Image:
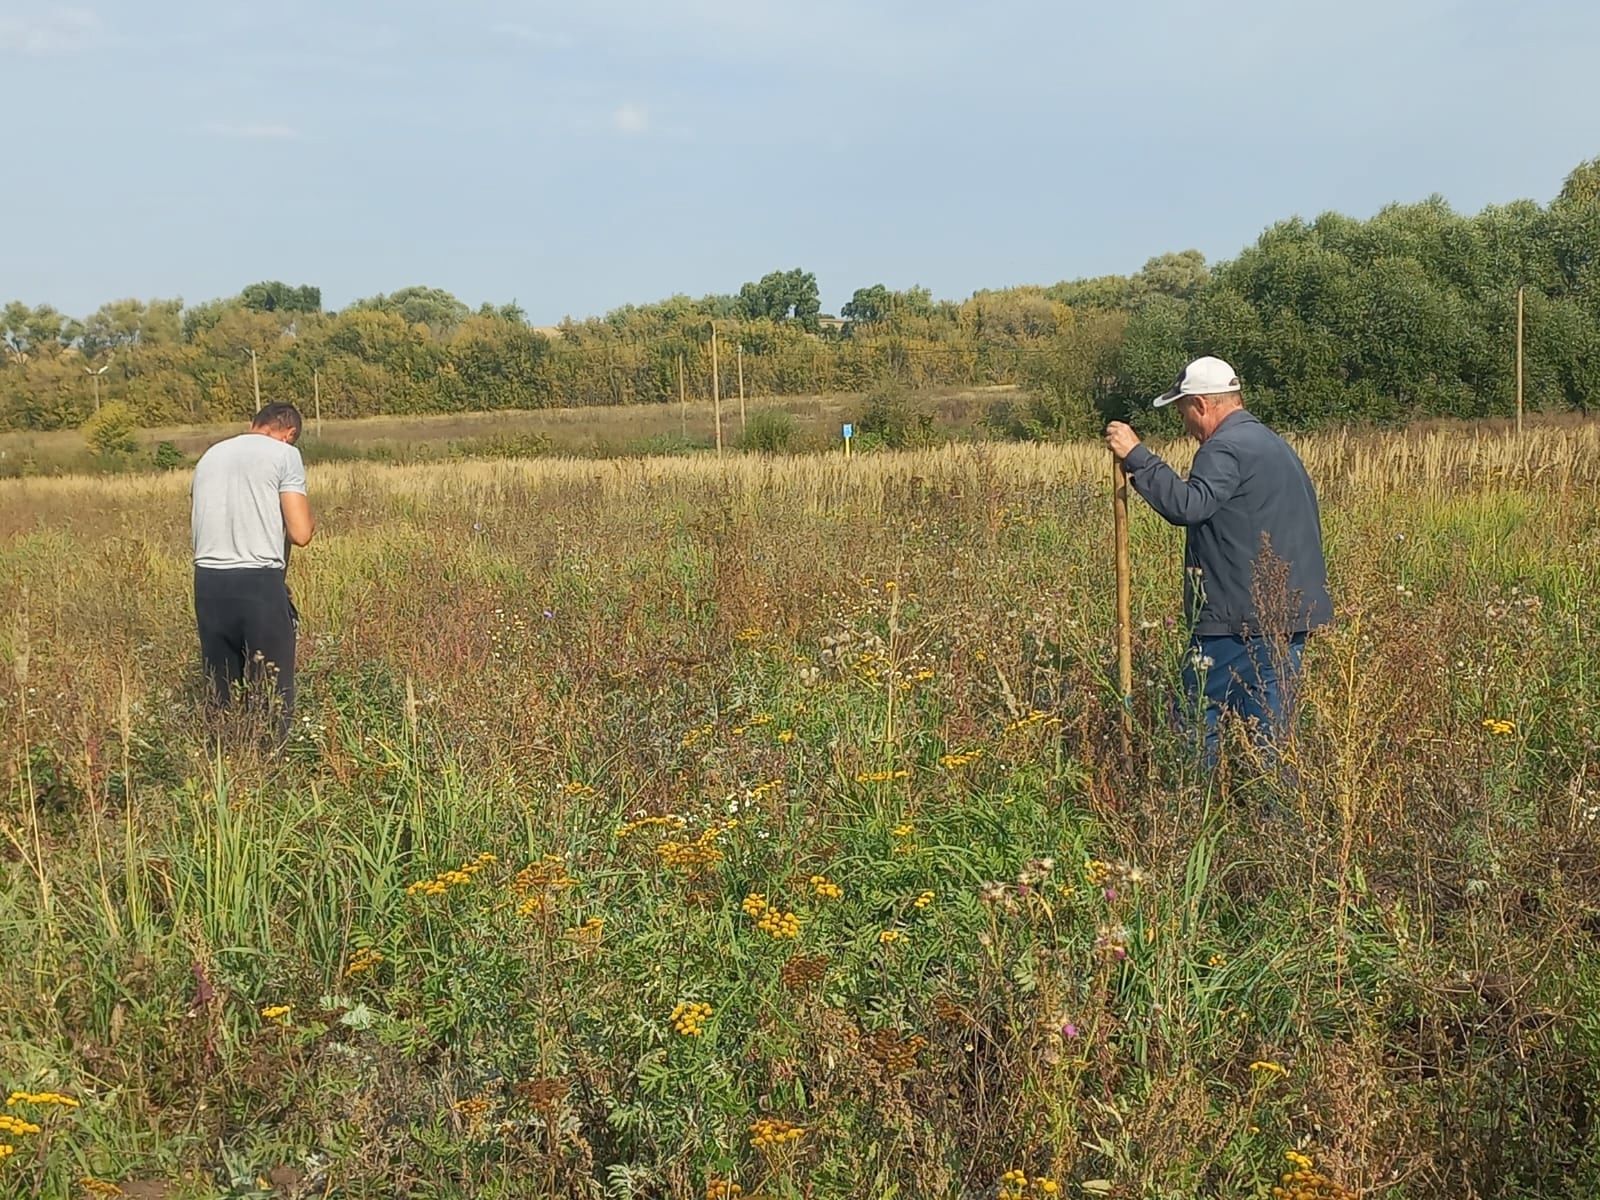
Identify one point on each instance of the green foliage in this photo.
(875, 304)
(770, 431)
(891, 417)
(782, 296)
(109, 432)
(274, 296)
(167, 457)
(1410, 313)
(430, 306)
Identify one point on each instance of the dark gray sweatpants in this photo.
(246, 626)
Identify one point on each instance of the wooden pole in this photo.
(1119, 521)
(316, 391)
(683, 403)
(1519, 362)
(716, 390)
(255, 374)
(741, 388)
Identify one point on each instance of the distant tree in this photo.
(41, 330)
(871, 305)
(1582, 186)
(124, 323)
(1179, 275)
(783, 296)
(273, 296)
(433, 307)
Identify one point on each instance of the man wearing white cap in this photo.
(1254, 579)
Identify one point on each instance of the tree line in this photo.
(1409, 313)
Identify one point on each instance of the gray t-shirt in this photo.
(237, 518)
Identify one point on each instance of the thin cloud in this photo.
(53, 31)
(631, 119)
(526, 34)
(258, 131)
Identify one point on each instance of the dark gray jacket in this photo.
(1247, 489)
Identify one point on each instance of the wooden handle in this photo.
(1119, 519)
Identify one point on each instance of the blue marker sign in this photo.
(849, 431)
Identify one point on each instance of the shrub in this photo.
(109, 432)
(168, 457)
(890, 415)
(771, 431)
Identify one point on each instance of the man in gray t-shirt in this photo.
(248, 507)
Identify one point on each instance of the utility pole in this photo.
(1519, 362)
(683, 403)
(316, 391)
(716, 389)
(95, 375)
(255, 374)
(741, 389)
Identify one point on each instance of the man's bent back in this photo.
(249, 504)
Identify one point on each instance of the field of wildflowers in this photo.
(681, 829)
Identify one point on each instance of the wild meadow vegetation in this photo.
(674, 828)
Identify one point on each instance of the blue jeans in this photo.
(1253, 677)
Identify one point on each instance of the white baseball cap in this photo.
(1206, 376)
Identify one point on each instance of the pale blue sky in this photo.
(579, 156)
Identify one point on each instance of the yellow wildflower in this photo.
(16, 1126)
(99, 1187)
(888, 937)
(1298, 1159)
(629, 827)
(6, 1151)
(689, 1017)
(1499, 726)
(923, 900)
(786, 736)
(1267, 1068)
(881, 776)
(723, 1189)
(590, 931)
(902, 831)
(826, 888)
(951, 762)
(275, 1012)
(779, 925)
(768, 1132)
(364, 959)
(57, 1098)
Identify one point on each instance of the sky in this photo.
(579, 156)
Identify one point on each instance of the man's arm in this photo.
(1212, 480)
(298, 525)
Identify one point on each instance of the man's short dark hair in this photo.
(279, 416)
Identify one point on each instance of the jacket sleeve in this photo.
(1212, 481)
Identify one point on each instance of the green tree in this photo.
(1582, 186)
(274, 296)
(124, 323)
(783, 296)
(109, 432)
(434, 307)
